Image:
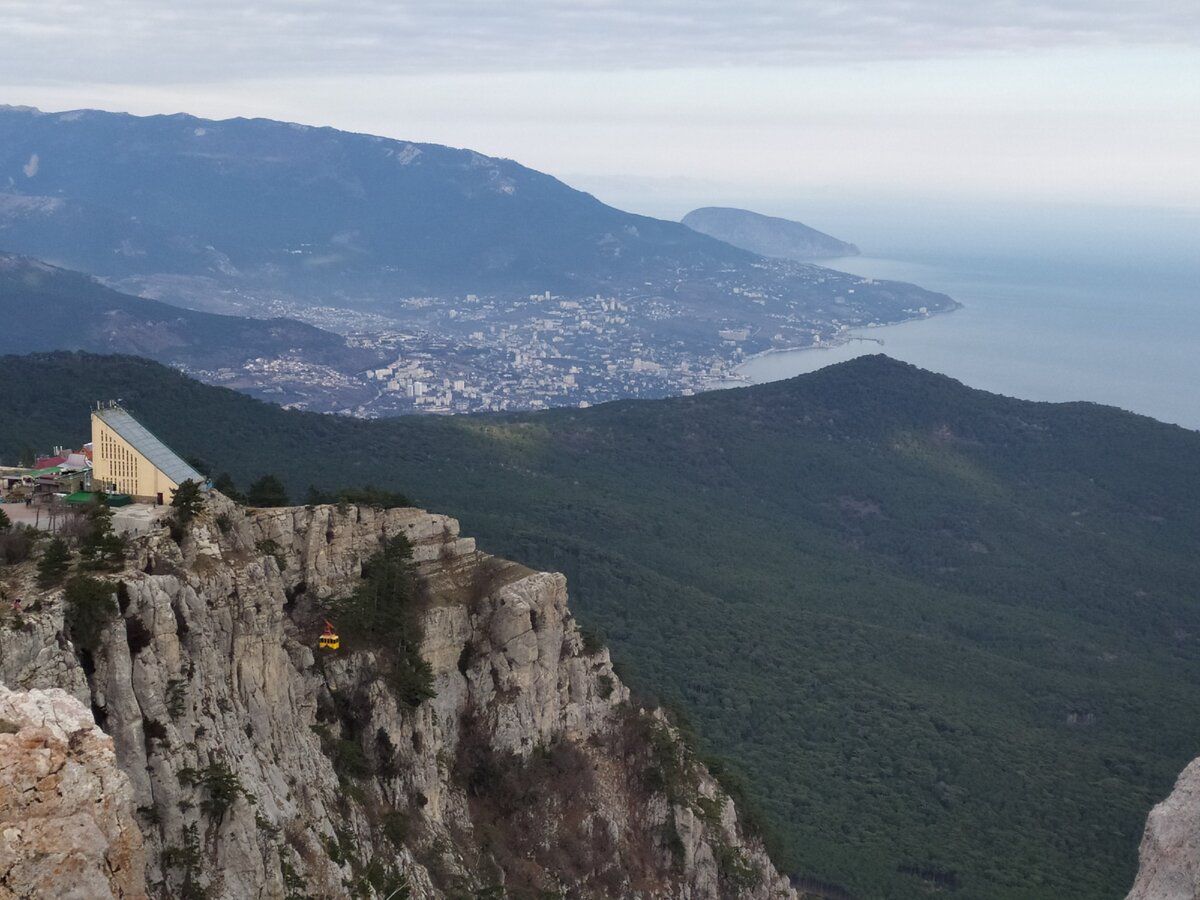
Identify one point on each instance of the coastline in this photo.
(738, 378)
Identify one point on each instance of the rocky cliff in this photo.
(261, 767)
(1169, 859)
(67, 826)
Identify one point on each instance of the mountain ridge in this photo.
(49, 308)
(240, 215)
(185, 336)
(226, 173)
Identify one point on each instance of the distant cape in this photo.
(766, 235)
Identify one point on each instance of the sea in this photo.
(1101, 306)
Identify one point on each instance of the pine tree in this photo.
(188, 501)
(384, 611)
(54, 563)
(226, 485)
(267, 491)
(101, 545)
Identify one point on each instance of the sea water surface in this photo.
(1111, 323)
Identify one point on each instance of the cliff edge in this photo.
(1169, 858)
(67, 826)
(512, 762)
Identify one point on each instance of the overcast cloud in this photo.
(136, 41)
(658, 105)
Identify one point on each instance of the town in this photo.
(491, 353)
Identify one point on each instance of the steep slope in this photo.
(766, 235)
(261, 769)
(69, 826)
(1170, 853)
(48, 308)
(932, 626)
(276, 199)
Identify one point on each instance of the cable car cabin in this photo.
(328, 639)
(328, 642)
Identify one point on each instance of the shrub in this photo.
(396, 827)
(175, 698)
(412, 677)
(221, 786)
(733, 868)
(16, 544)
(225, 484)
(186, 858)
(293, 883)
(268, 547)
(382, 880)
(137, 635)
(346, 756)
(90, 607)
(385, 612)
(368, 495)
(604, 686)
(593, 639)
(267, 491)
(54, 563)
(187, 501)
(349, 761)
(101, 546)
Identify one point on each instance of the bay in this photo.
(1103, 328)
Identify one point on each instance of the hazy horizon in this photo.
(1046, 137)
(1056, 102)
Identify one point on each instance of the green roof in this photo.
(81, 497)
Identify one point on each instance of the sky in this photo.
(660, 105)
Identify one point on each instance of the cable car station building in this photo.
(128, 459)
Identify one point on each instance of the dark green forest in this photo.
(951, 640)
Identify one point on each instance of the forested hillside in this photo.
(951, 639)
(48, 308)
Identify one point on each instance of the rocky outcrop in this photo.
(1169, 858)
(262, 767)
(67, 826)
(37, 654)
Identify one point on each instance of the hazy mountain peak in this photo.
(766, 235)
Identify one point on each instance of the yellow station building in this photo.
(128, 459)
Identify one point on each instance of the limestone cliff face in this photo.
(1169, 859)
(263, 768)
(67, 826)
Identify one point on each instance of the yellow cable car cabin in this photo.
(328, 639)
